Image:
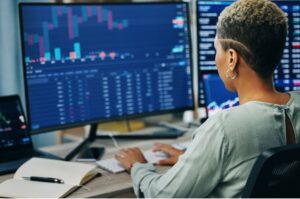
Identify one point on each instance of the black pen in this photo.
(44, 179)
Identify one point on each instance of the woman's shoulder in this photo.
(237, 112)
(295, 93)
(295, 97)
(238, 117)
(250, 114)
(219, 120)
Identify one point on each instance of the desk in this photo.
(108, 185)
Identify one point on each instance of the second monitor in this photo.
(287, 75)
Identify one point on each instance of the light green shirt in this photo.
(218, 161)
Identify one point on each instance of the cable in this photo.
(114, 140)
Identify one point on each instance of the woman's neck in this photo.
(257, 89)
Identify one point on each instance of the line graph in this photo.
(214, 107)
(4, 120)
(217, 97)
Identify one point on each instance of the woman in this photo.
(249, 45)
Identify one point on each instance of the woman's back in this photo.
(218, 161)
(251, 129)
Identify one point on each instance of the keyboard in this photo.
(112, 165)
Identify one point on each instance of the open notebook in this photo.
(73, 175)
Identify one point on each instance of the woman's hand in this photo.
(128, 157)
(172, 152)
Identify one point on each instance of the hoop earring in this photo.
(231, 78)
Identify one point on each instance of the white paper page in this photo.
(30, 189)
(70, 172)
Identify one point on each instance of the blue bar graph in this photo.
(54, 17)
(125, 23)
(36, 39)
(94, 9)
(57, 54)
(77, 50)
(47, 56)
(75, 25)
(25, 36)
(104, 15)
(64, 9)
(46, 36)
(84, 14)
(74, 22)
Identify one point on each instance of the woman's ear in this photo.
(232, 59)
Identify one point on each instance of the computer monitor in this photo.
(88, 63)
(287, 75)
(13, 128)
(216, 96)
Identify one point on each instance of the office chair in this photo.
(275, 174)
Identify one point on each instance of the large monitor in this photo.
(287, 75)
(86, 63)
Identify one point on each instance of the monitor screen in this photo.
(287, 75)
(86, 63)
(13, 128)
(216, 96)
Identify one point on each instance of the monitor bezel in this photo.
(100, 120)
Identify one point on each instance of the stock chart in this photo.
(13, 129)
(216, 95)
(287, 74)
(94, 62)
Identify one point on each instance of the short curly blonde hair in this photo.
(257, 29)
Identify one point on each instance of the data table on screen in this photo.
(102, 61)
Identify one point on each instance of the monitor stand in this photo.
(85, 144)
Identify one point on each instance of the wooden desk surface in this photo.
(108, 185)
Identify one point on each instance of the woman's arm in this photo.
(196, 174)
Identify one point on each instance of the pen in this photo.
(44, 179)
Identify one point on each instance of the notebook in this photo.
(73, 174)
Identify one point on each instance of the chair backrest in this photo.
(275, 174)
